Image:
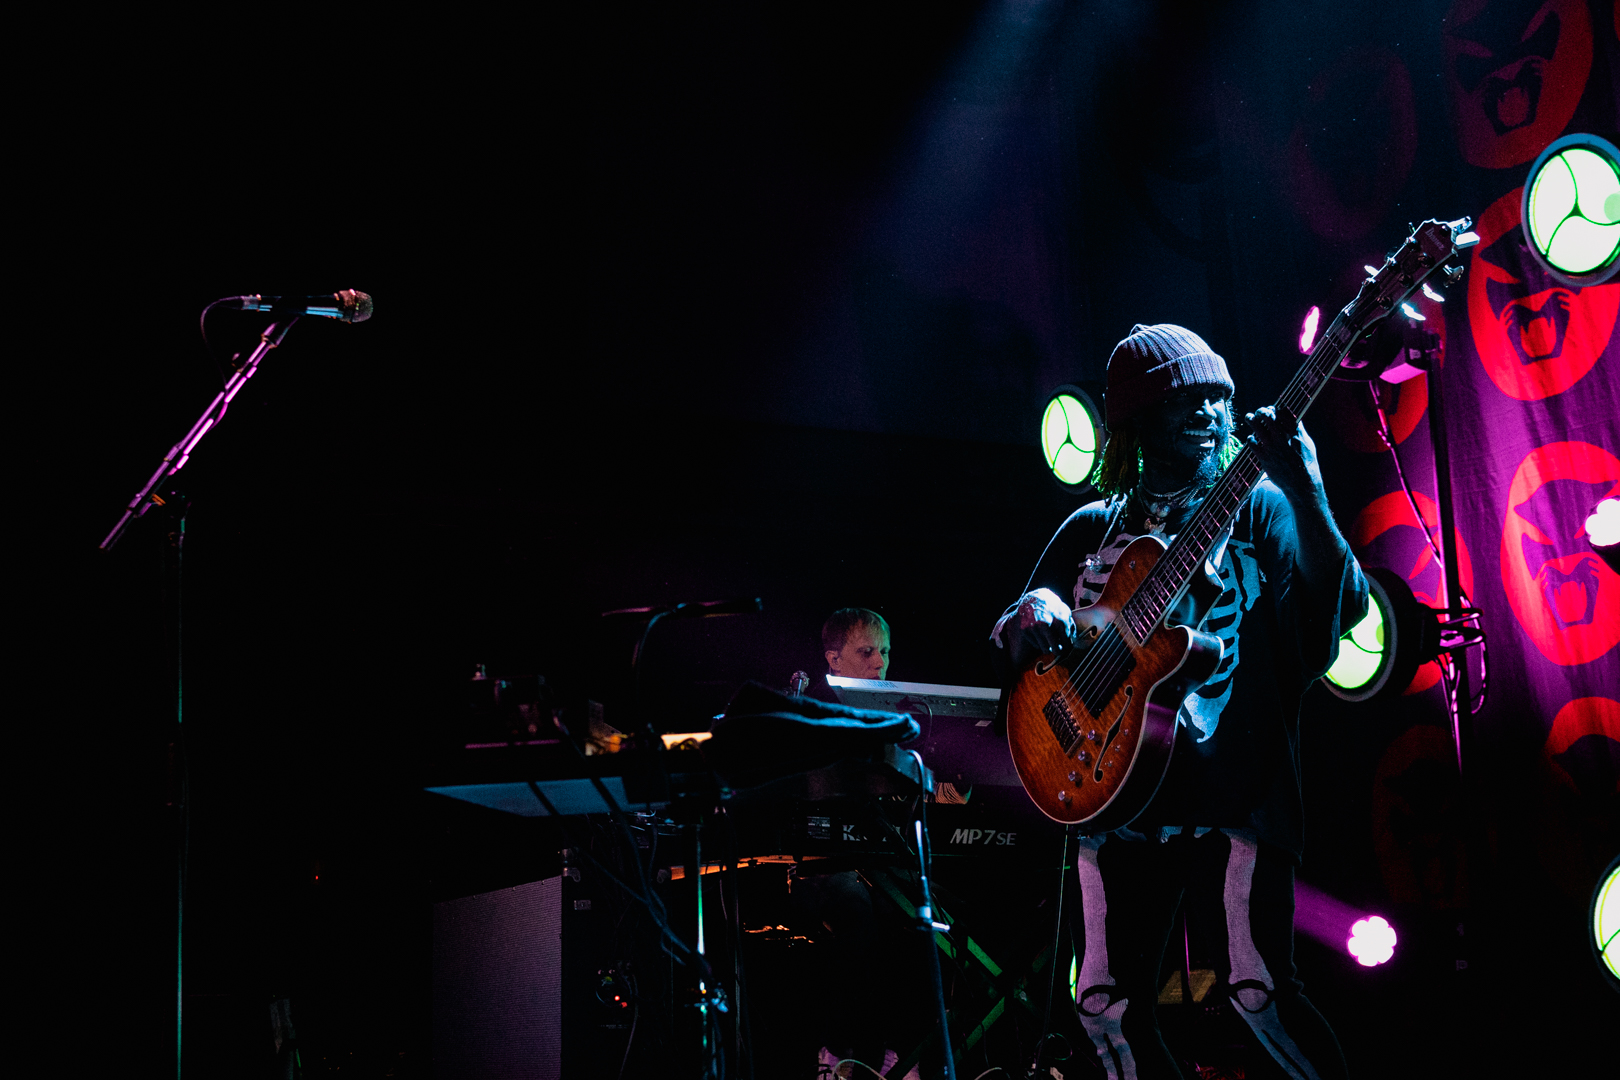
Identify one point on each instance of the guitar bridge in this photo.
(1061, 721)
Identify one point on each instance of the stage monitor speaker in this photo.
(497, 984)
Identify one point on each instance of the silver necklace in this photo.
(1158, 507)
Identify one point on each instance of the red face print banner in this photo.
(1532, 433)
(1564, 596)
(1535, 336)
(1515, 73)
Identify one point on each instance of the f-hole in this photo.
(1113, 732)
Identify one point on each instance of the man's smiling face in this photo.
(1184, 429)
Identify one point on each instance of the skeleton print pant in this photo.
(1130, 891)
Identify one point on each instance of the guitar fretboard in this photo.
(1159, 590)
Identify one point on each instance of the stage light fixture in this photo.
(1603, 531)
(1571, 209)
(1394, 350)
(1071, 436)
(1603, 920)
(1372, 941)
(1307, 330)
(1380, 654)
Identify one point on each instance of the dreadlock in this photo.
(1120, 466)
(1121, 462)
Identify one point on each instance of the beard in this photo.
(1198, 472)
(1209, 466)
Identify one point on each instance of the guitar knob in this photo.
(1084, 757)
(1063, 796)
(1094, 735)
(1074, 778)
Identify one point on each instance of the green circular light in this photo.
(1606, 921)
(1361, 651)
(1379, 654)
(1069, 437)
(1571, 209)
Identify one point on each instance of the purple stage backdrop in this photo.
(1533, 423)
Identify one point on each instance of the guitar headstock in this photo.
(1425, 251)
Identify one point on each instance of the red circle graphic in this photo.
(1516, 73)
(1535, 336)
(1576, 720)
(1565, 597)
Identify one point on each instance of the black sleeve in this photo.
(1059, 566)
(1313, 618)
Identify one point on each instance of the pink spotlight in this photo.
(1326, 918)
(1307, 329)
(1372, 941)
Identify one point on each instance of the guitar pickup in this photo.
(1061, 721)
(1099, 691)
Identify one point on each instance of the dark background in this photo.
(670, 306)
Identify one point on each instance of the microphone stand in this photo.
(929, 926)
(145, 499)
(180, 452)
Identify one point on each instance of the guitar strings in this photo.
(1101, 665)
(1104, 660)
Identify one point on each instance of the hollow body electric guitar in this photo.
(1091, 728)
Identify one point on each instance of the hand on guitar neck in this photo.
(1289, 456)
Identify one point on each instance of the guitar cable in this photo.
(1476, 703)
(1052, 977)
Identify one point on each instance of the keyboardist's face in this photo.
(865, 654)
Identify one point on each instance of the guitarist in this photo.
(1224, 830)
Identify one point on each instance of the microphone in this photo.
(349, 305)
(710, 609)
(697, 609)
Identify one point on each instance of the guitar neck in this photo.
(1169, 577)
(1425, 251)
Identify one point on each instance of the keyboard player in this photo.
(862, 948)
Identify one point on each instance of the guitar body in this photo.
(1091, 729)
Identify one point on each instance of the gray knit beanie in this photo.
(1154, 361)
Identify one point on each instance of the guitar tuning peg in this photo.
(1453, 274)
